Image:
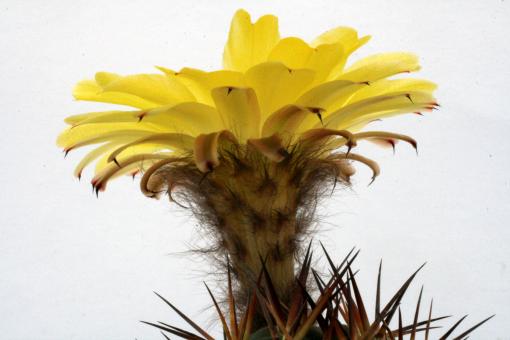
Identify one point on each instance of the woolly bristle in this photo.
(253, 207)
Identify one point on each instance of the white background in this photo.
(76, 267)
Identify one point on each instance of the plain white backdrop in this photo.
(76, 267)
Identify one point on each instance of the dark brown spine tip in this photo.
(229, 89)
(350, 145)
(66, 151)
(116, 162)
(79, 176)
(418, 113)
(319, 115)
(141, 116)
(392, 143)
(209, 166)
(289, 69)
(408, 95)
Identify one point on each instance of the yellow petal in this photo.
(346, 36)
(331, 94)
(200, 83)
(139, 90)
(239, 111)
(105, 78)
(192, 118)
(100, 180)
(367, 110)
(276, 85)
(327, 97)
(92, 134)
(104, 161)
(82, 117)
(91, 91)
(165, 141)
(389, 86)
(285, 121)
(345, 40)
(206, 149)
(380, 66)
(327, 61)
(323, 59)
(104, 117)
(292, 52)
(94, 154)
(157, 88)
(249, 44)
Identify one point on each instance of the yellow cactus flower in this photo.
(250, 146)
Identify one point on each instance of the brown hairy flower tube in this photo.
(253, 208)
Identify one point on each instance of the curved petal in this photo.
(321, 134)
(285, 121)
(206, 149)
(389, 138)
(91, 134)
(200, 83)
(388, 86)
(271, 147)
(346, 36)
(327, 97)
(249, 44)
(192, 118)
(100, 180)
(157, 88)
(327, 61)
(276, 85)
(104, 117)
(367, 110)
(239, 110)
(75, 120)
(94, 154)
(380, 66)
(89, 90)
(147, 148)
(346, 39)
(139, 90)
(167, 141)
(146, 178)
(331, 94)
(323, 59)
(376, 170)
(292, 52)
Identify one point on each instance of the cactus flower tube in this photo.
(252, 147)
